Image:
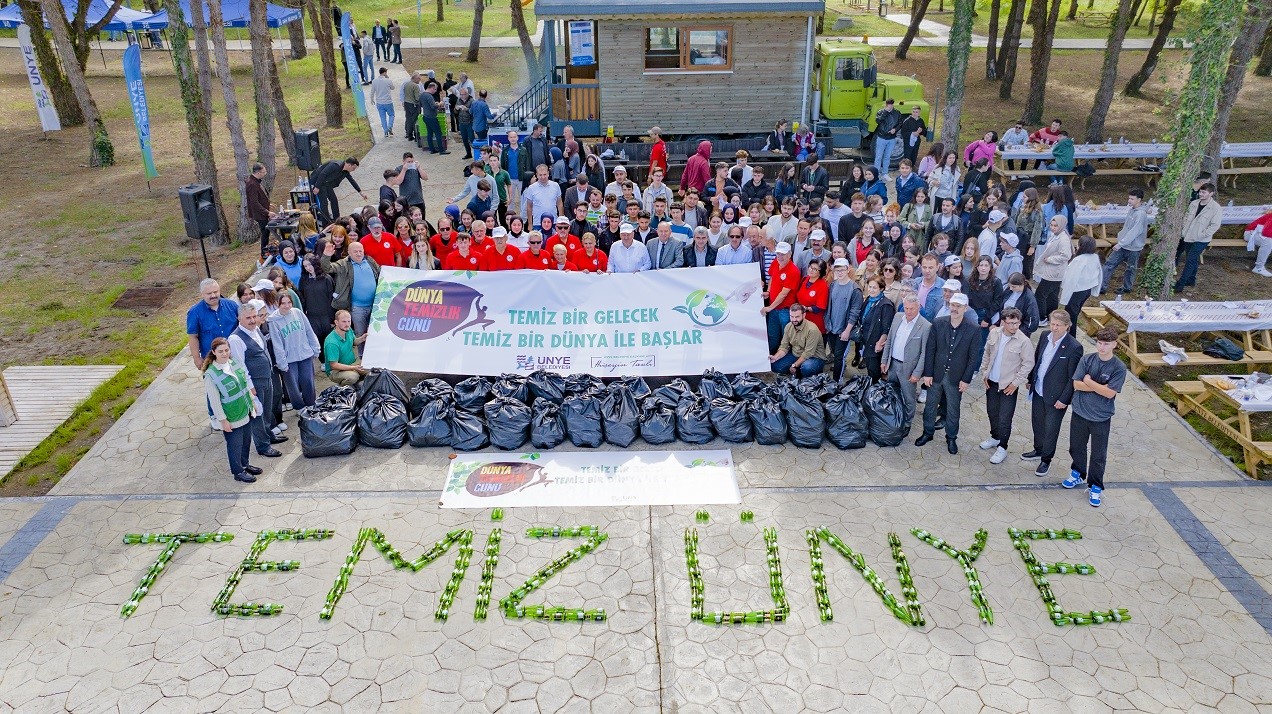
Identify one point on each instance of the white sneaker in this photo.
(922, 396)
(282, 426)
(276, 431)
(1263, 271)
(989, 443)
(999, 456)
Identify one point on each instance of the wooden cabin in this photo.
(708, 68)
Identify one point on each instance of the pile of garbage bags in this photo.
(545, 410)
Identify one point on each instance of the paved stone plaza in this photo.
(1181, 542)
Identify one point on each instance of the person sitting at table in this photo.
(1062, 155)
(1015, 137)
(1047, 136)
(1259, 237)
(982, 148)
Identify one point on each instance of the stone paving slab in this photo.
(1190, 646)
(163, 445)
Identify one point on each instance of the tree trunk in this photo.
(917, 11)
(320, 18)
(523, 34)
(296, 38)
(440, 15)
(1136, 83)
(197, 122)
(233, 120)
(1073, 10)
(202, 57)
(1194, 118)
(1010, 49)
(991, 45)
(1254, 25)
(82, 33)
(100, 151)
(281, 113)
(1108, 74)
(474, 40)
(1264, 68)
(1039, 59)
(68, 110)
(262, 57)
(960, 46)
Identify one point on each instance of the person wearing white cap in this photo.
(783, 284)
(816, 251)
(948, 367)
(501, 256)
(988, 238)
(1012, 261)
(950, 288)
(843, 312)
(627, 255)
(615, 187)
(248, 347)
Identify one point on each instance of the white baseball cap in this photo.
(782, 248)
(1010, 239)
(842, 263)
(958, 299)
(817, 235)
(952, 285)
(626, 228)
(950, 260)
(499, 232)
(996, 216)
(744, 221)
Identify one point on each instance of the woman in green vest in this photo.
(233, 399)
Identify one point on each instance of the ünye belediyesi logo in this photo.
(433, 308)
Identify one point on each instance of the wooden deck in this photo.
(44, 398)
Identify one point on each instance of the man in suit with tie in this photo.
(666, 252)
(947, 370)
(905, 351)
(1051, 386)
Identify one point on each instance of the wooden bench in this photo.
(1228, 176)
(1092, 319)
(1016, 174)
(1091, 18)
(1252, 360)
(1186, 388)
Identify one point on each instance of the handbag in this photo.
(1224, 348)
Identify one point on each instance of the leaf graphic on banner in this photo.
(532, 456)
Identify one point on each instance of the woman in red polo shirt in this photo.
(814, 293)
(463, 257)
(590, 260)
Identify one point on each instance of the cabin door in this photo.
(576, 91)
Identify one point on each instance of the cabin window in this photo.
(689, 48)
(849, 68)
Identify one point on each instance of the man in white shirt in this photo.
(782, 227)
(988, 238)
(831, 211)
(628, 256)
(541, 197)
(907, 347)
(736, 251)
(382, 95)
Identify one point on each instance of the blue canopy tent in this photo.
(235, 12)
(124, 19)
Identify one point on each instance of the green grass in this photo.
(1073, 29)
(863, 23)
(457, 17)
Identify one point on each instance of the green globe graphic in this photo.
(705, 308)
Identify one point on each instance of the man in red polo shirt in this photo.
(384, 247)
(500, 255)
(463, 257)
(564, 237)
(783, 284)
(443, 242)
(535, 257)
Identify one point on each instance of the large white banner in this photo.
(591, 478)
(657, 323)
(49, 120)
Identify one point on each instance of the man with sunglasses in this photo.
(736, 251)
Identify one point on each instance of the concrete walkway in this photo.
(942, 38)
(282, 43)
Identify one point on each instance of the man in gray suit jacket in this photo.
(665, 252)
(905, 348)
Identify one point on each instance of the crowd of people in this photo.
(925, 279)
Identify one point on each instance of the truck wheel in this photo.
(898, 152)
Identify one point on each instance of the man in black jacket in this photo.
(913, 130)
(1051, 384)
(324, 182)
(699, 253)
(887, 126)
(534, 153)
(947, 370)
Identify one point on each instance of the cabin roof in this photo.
(587, 9)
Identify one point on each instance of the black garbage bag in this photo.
(583, 384)
(382, 381)
(382, 422)
(781, 387)
(546, 385)
(468, 432)
(747, 386)
(821, 386)
(767, 420)
(620, 418)
(472, 394)
(512, 386)
(856, 387)
(886, 414)
(547, 426)
(693, 420)
(431, 425)
(846, 425)
(328, 432)
(672, 392)
(426, 391)
(730, 421)
(636, 385)
(508, 421)
(714, 384)
(337, 397)
(657, 422)
(804, 418)
(582, 413)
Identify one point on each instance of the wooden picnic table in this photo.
(1097, 217)
(1251, 321)
(1133, 159)
(1240, 398)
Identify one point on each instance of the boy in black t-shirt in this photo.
(1096, 384)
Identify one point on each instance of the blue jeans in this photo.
(778, 319)
(299, 381)
(433, 129)
(1192, 261)
(386, 116)
(1116, 258)
(368, 66)
(820, 148)
(883, 154)
(237, 448)
(808, 368)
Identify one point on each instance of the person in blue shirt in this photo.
(209, 319)
(482, 116)
(873, 186)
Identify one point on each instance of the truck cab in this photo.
(849, 91)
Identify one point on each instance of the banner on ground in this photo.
(591, 478)
(49, 120)
(655, 323)
(140, 110)
(351, 65)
